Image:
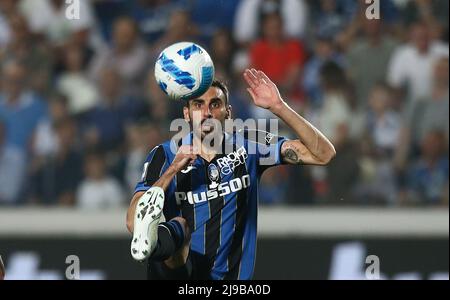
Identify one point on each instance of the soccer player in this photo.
(208, 199)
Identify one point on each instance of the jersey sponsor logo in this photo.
(228, 163)
(221, 190)
(188, 169)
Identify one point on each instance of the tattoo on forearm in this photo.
(290, 155)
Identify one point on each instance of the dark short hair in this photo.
(217, 84)
(221, 85)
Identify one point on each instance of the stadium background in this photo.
(79, 111)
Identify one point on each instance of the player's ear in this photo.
(186, 113)
(229, 110)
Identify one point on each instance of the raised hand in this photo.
(263, 91)
(186, 155)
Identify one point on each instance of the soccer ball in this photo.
(184, 71)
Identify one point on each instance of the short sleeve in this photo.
(270, 153)
(152, 169)
(267, 148)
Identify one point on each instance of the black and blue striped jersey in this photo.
(218, 199)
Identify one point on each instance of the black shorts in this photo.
(197, 267)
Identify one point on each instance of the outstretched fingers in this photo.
(251, 79)
(260, 76)
(256, 75)
(264, 77)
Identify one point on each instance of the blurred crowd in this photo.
(80, 109)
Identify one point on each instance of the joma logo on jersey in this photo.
(228, 163)
(223, 189)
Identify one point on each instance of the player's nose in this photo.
(206, 112)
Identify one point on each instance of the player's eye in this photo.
(215, 105)
(198, 105)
